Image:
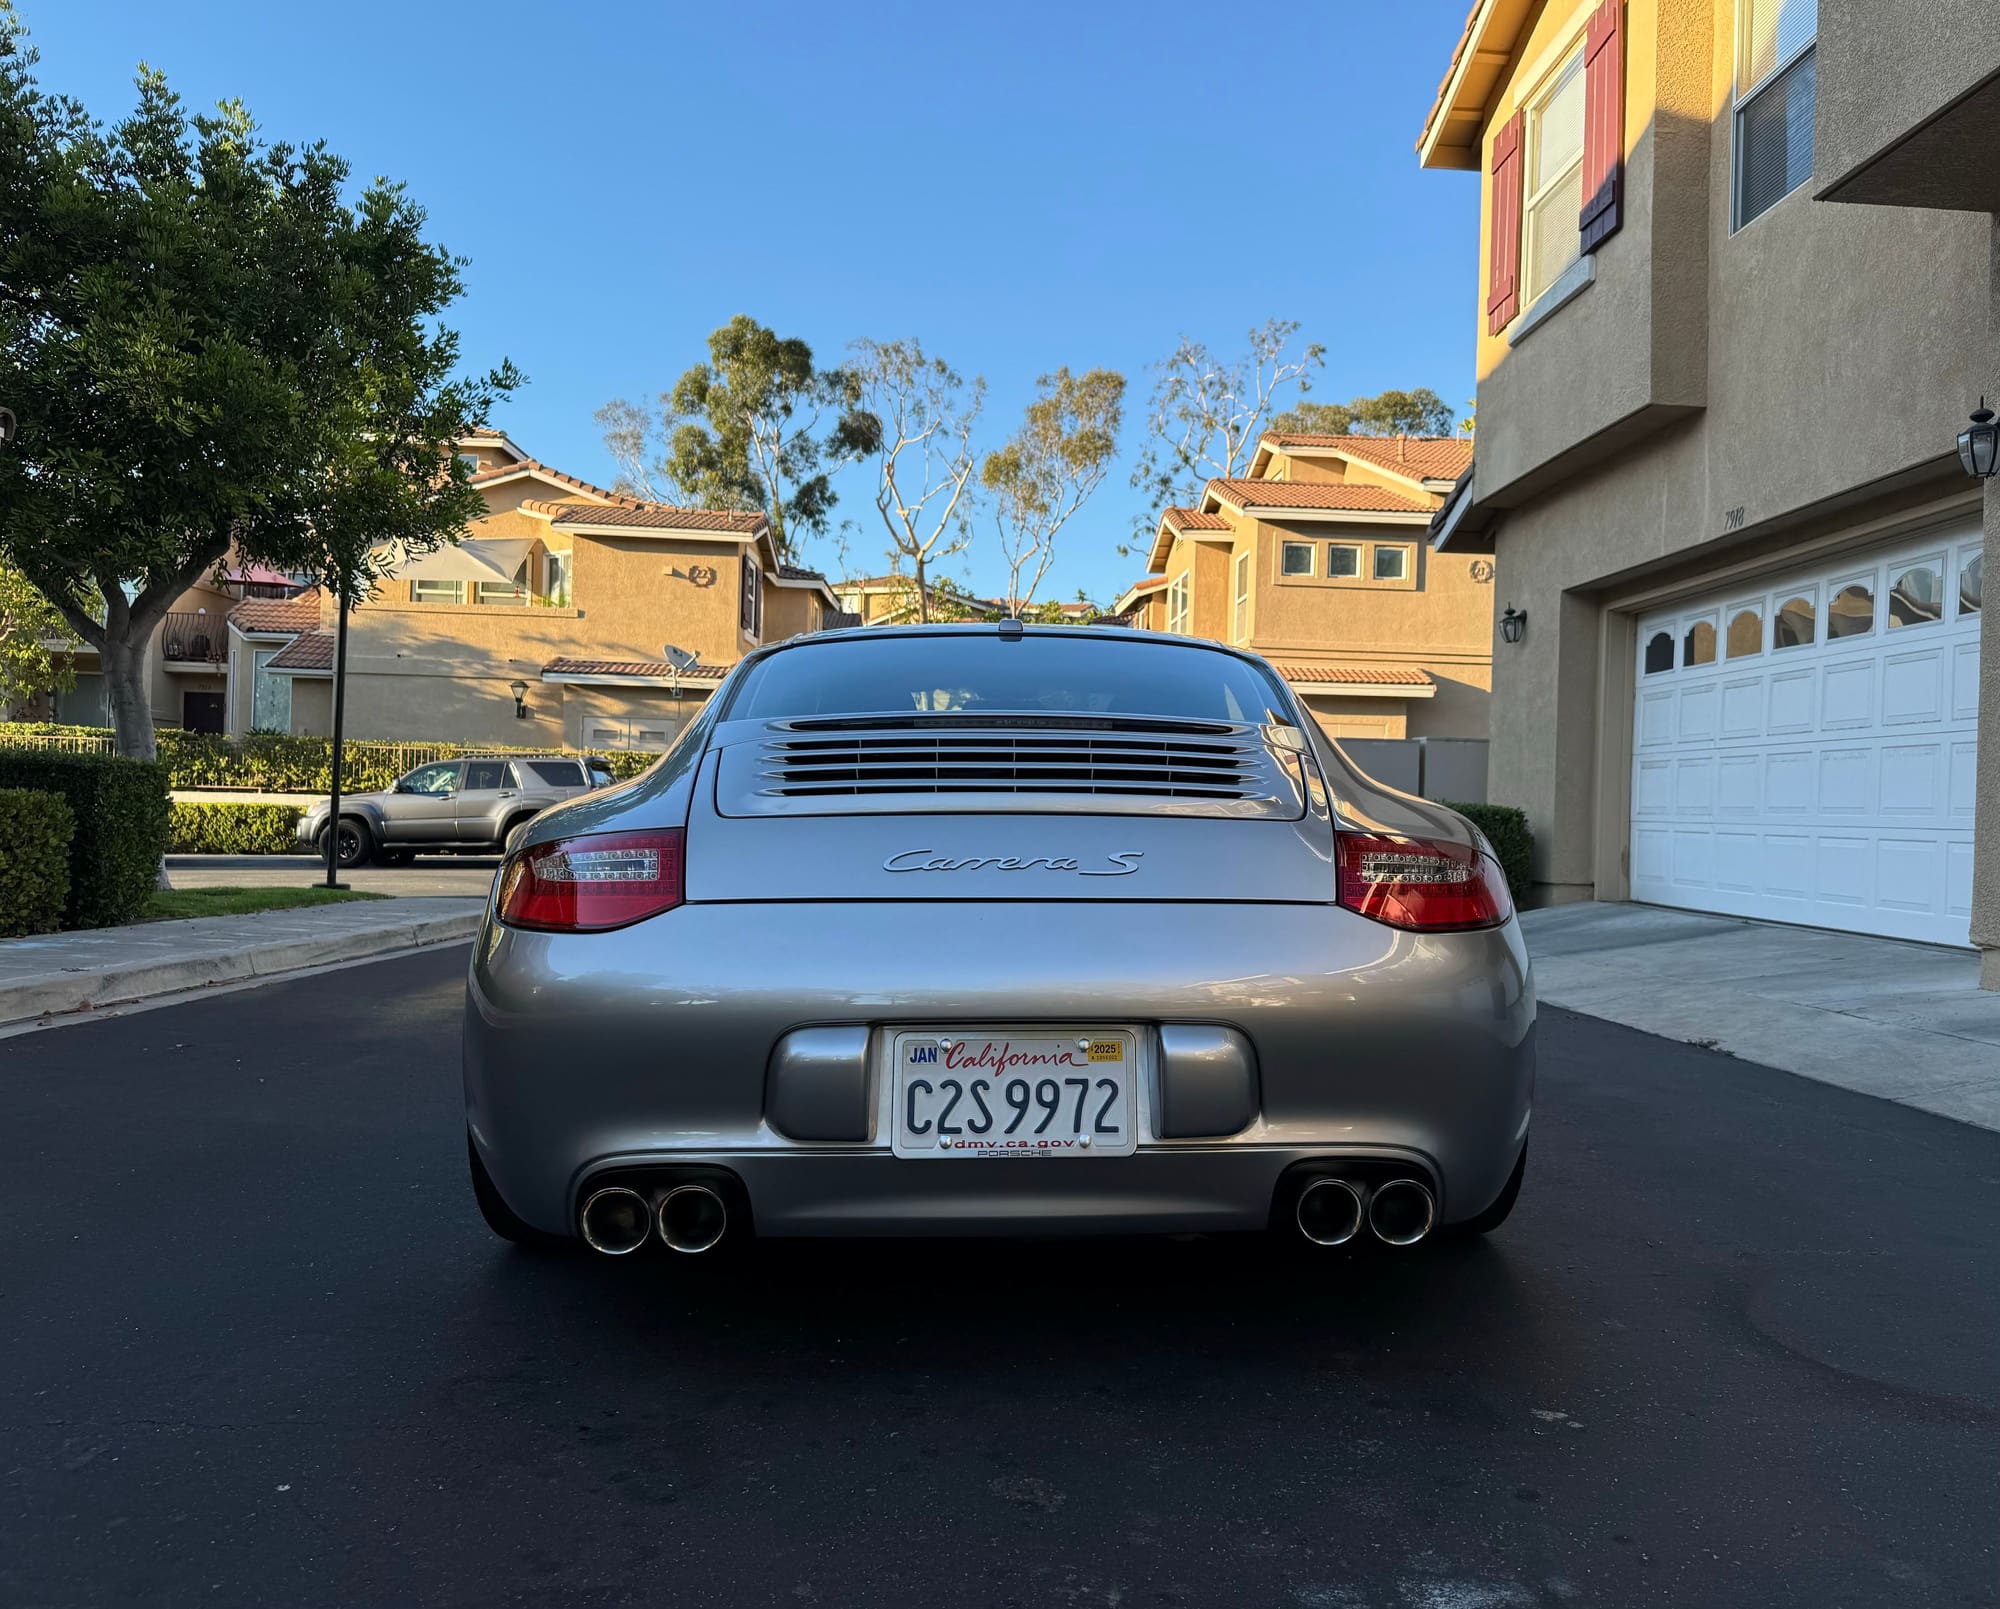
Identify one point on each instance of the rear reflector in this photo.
(589, 884)
(1420, 883)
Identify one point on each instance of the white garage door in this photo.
(1803, 749)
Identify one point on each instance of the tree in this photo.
(1205, 414)
(204, 343)
(744, 431)
(1049, 467)
(28, 623)
(921, 413)
(1421, 412)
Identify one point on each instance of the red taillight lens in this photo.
(1420, 883)
(585, 885)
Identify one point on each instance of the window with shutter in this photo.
(1553, 177)
(1776, 74)
(1503, 276)
(1603, 125)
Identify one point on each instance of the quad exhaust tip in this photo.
(616, 1221)
(1329, 1211)
(692, 1218)
(1402, 1212)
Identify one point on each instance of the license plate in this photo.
(1014, 1095)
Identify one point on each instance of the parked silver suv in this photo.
(470, 804)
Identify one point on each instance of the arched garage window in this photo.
(1659, 652)
(1796, 622)
(1852, 611)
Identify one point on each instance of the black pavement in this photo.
(1740, 1345)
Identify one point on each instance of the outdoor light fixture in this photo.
(1979, 443)
(1514, 623)
(520, 692)
(9, 427)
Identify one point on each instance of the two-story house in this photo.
(1317, 558)
(1741, 569)
(548, 624)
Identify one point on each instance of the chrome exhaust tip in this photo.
(1402, 1212)
(616, 1221)
(692, 1218)
(1329, 1211)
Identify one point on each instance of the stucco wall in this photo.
(1886, 67)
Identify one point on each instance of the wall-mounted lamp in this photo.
(9, 427)
(1979, 443)
(520, 692)
(1514, 624)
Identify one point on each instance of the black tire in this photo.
(1494, 1216)
(508, 831)
(357, 842)
(498, 1215)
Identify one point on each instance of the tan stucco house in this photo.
(1317, 559)
(548, 624)
(1735, 302)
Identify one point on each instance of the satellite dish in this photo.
(681, 659)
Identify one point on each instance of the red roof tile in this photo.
(1424, 457)
(630, 667)
(277, 614)
(1194, 519)
(1355, 675)
(493, 472)
(1316, 494)
(310, 650)
(658, 517)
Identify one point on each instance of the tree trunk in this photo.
(124, 663)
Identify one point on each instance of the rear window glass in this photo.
(973, 674)
(558, 773)
(481, 775)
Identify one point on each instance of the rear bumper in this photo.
(652, 1045)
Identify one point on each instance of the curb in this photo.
(56, 994)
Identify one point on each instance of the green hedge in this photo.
(1506, 828)
(233, 829)
(273, 763)
(121, 827)
(35, 832)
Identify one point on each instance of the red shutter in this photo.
(1603, 123)
(1503, 273)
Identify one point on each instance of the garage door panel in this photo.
(1806, 777)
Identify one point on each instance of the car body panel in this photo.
(463, 818)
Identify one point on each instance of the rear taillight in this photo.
(1420, 883)
(585, 885)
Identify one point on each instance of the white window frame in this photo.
(1359, 552)
(455, 593)
(1375, 562)
(1745, 94)
(516, 594)
(1570, 67)
(1240, 619)
(556, 570)
(1178, 607)
(1312, 563)
(471, 462)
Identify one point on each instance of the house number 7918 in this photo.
(1732, 520)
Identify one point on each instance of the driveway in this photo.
(429, 874)
(1735, 1347)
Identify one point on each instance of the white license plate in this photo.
(1014, 1095)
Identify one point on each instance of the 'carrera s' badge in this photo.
(1121, 864)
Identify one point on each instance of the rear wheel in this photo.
(499, 1216)
(1494, 1216)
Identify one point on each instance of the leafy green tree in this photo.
(1206, 413)
(210, 350)
(920, 414)
(1049, 468)
(1421, 412)
(28, 624)
(756, 427)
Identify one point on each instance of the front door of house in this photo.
(202, 712)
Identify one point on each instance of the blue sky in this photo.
(1019, 186)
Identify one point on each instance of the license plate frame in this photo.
(991, 1060)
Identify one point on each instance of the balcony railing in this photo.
(194, 639)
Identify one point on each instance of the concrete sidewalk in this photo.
(58, 973)
(1907, 1022)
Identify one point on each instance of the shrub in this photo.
(35, 832)
(233, 829)
(121, 827)
(1506, 829)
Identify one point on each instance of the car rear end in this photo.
(978, 930)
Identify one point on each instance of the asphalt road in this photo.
(428, 874)
(1737, 1347)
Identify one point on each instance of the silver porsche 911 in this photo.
(976, 930)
